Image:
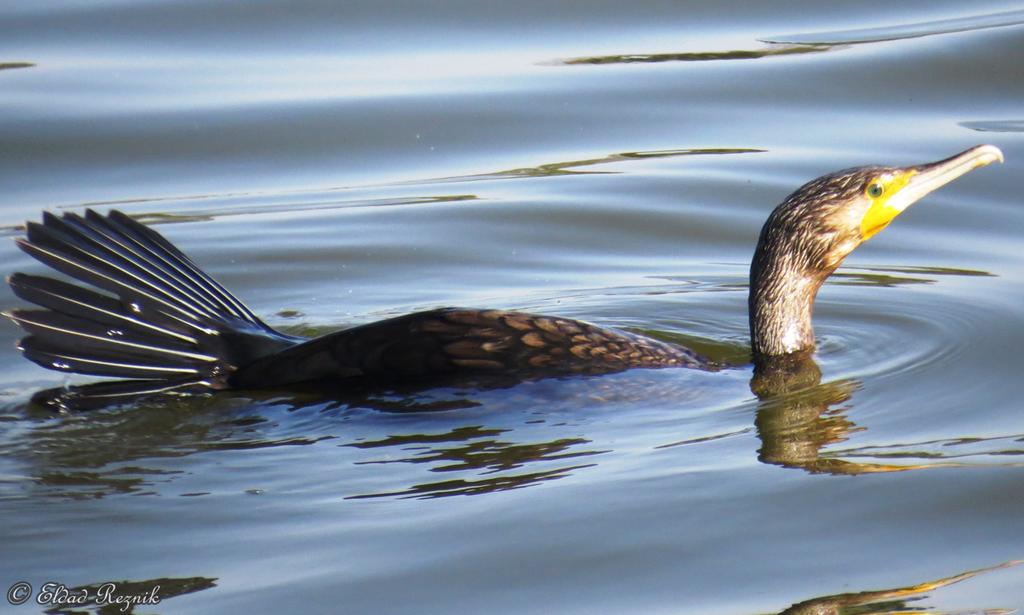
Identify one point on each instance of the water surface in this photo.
(337, 164)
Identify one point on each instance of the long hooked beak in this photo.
(917, 181)
(934, 175)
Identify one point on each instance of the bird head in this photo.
(824, 220)
(821, 223)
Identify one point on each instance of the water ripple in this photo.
(995, 126)
(902, 31)
(879, 343)
(317, 199)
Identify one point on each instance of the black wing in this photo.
(454, 340)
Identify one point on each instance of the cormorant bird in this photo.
(167, 326)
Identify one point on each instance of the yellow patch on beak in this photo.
(884, 208)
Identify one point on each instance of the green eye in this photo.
(875, 190)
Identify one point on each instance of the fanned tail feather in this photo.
(158, 317)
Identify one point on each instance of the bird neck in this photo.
(781, 302)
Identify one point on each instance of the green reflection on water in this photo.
(701, 56)
(10, 65)
(796, 44)
(206, 215)
(210, 214)
(883, 276)
(568, 167)
(889, 600)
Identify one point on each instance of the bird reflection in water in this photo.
(798, 418)
(481, 452)
(479, 458)
(798, 415)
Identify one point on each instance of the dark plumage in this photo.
(162, 321)
(451, 340)
(803, 241)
